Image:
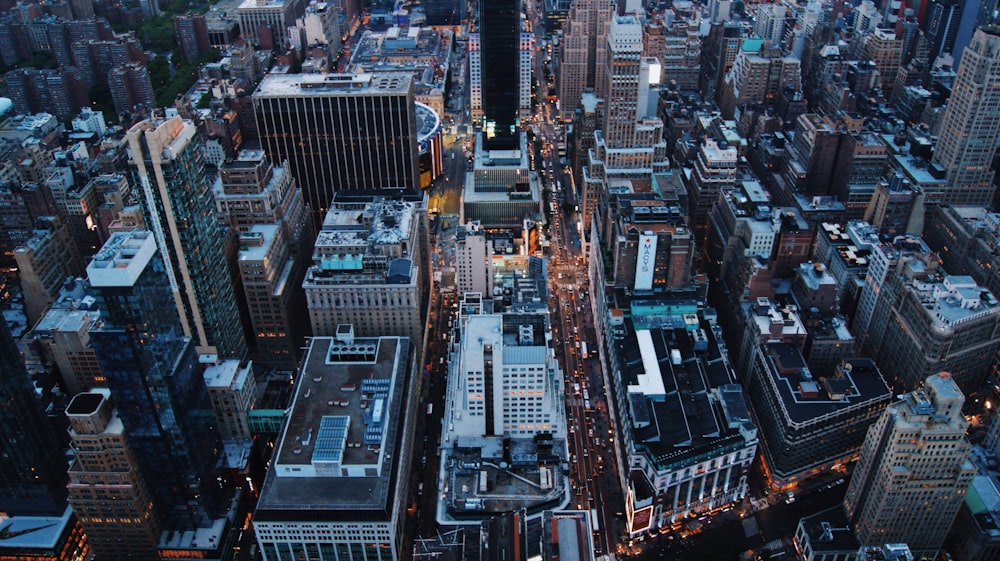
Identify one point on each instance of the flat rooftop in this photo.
(340, 443)
(805, 398)
(329, 85)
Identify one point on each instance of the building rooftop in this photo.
(226, 374)
(26, 533)
(329, 85)
(956, 300)
(829, 531)
(683, 401)
(255, 243)
(122, 259)
(566, 536)
(340, 445)
(855, 383)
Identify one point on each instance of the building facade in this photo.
(177, 201)
(913, 471)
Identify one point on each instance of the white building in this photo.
(506, 380)
(336, 488)
(233, 392)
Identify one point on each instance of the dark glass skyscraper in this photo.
(340, 133)
(499, 43)
(153, 373)
(176, 196)
(32, 467)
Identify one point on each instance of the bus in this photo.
(583, 349)
(594, 522)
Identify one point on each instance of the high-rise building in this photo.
(369, 270)
(714, 171)
(106, 488)
(153, 373)
(233, 392)
(44, 262)
(131, 89)
(191, 31)
(472, 251)
(337, 487)
(769, 23)
(810, 423)
(967, 238)
(340, 132)
(272, 278)
(33, 470)
(176, 195)
(275, 15)
(945, 322)
(582, 52)
(496, 67)
(970, 126)
(913, 470)
(757, 77)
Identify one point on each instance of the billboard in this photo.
(645, 262)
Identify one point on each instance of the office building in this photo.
(233, 392)
(507, 383)
(369, 270)
(809, 424)
(677, 45)
(913, 471)
(271, 280)
(63, 334)
(652, 248)
(251, 190)
(44, 262)
(582, 52)
(177, 201)
(337, 484)
(714, 172)
(153, 373)
(58, 537)
(970, 126)
(472, 248)
(764, 323)
(504, 399)
(967, 238)
(497, 71)
(757, 78)
(276, 16)
(501, 191)
(106, 488)
(33, 473)
(769, 23)
(884, 48)
(948, 323)
(340, 132)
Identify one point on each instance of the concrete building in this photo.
(271, 277)
(179, 207)
(233, 391)
(582, 53)
(370, 270)
(885, 49)
(131, 89)
(58, 537)
(810, 424)
(913, 471)
(340, 132)
(714, 172)
(501, 191)
(472, 249)
(106, 489)
(757, 79)
(251, 190)
(64, 335)
(651, 248)
(967, 238)
(944, 323)
(275, 15)
(336, 487)
(971, 124)
(505, 402)
(689, 451)
(44, 262)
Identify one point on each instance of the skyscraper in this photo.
(582, 51)
(497, 65)
(176, 196)
(913, 470)
(106, 489)
(33, 471)
(152, 371)
(340, 132)
(971, 124)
